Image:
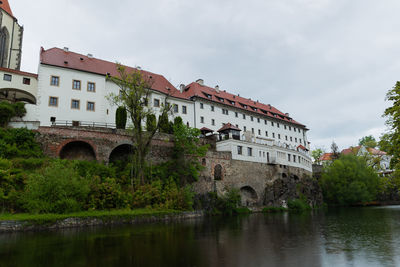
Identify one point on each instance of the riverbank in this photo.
(39, 222)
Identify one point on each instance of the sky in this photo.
(328, 63)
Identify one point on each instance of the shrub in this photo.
(57, 189)
(18, 142)
(120, 118)
(298, 204)
(107, 194)
(151, 122)
(212, 204)
(274, 209)
(6, 113)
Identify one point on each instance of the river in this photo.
(367, 236)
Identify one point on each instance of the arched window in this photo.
(3, 47)
(218, 172)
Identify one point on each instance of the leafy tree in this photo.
(349, 180)
(120, 118)
(368, 141)
(187, 151)
(335, 151)
(151, 122)
(384, 143)
(7, 111)
(135, 91)
(165, 126)
(316, 155)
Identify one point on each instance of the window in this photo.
(239, 150)
(212, 108)
(156, 102)
(251, 118)
(7, 77)
(91, 87)
(90, 106)
(250, 151)
(176, 108)
(273, 135)
(212, 122)
(53, 101)
(201, 119)
(295, 139)
(54, 80)
(201, 105)
(288, 157)
(266, 133)
(184, 110)
(294, 158)
(244, 128)
(291, 139)
(252, 130)
(277, 124)
(76, 84)
(244, 116)
(259, 132)
(75, 104)
(258, 120)
(279, 136)
(265, 122)
(286, 137)
(225, 111)
(259, 153)
(284, 126)
(300, 140)
(290, 128)
(236, 114)
(272, 123)
(26, 81)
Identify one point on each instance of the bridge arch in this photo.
(120, 152)
(248, 196)
(77, 149)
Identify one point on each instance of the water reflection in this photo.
(342, 237)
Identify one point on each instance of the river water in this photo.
(341, 237)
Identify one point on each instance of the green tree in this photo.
(316, 155)
(187, 153)
(165, 126)
(335, 151)
(368, 141)
(151, 122)
(7, 111)
(384, 143)
(349, 180)
(135, 91)
(120, 118)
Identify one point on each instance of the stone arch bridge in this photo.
(101, 144)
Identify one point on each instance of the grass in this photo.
(101, 214)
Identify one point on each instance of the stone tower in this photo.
(10, 38)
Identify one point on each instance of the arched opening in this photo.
(295, 177)
(248, 196)
(284, 175)
(17, 95)
(78, 150)
(203, 162)
(121, 153)
(218, 172)
(4, 40)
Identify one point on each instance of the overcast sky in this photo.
(329, 63)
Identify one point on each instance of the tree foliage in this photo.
(349, 180)
(151, 122)
(120, 118)
(9, 110)
(335, 151)
(316, 155)
(368, 141)
(135, 91)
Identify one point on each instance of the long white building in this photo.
(72, 89)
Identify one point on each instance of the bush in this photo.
(212, 204)
(6, 113)
(107, 194)
(298, 204)
(349, 180)
(18, 142)
(120, 118)
(151, 122)
(274, 209)
(57, 189)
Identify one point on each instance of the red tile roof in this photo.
(19, 72)
(207, 130)
(6, 7)
(374, 151)
(66, 59)
(351, 150)
(228, 126)
(211, 94)
(302, 147)
(326, 156)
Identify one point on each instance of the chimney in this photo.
(287, 114)
(217, 88)
(89, 55)
(138, 68)
(181, 87)
(200, 81)
(269, 105)
(66, 49)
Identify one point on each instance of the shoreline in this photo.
(102, 218)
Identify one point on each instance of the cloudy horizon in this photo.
(329, 63)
